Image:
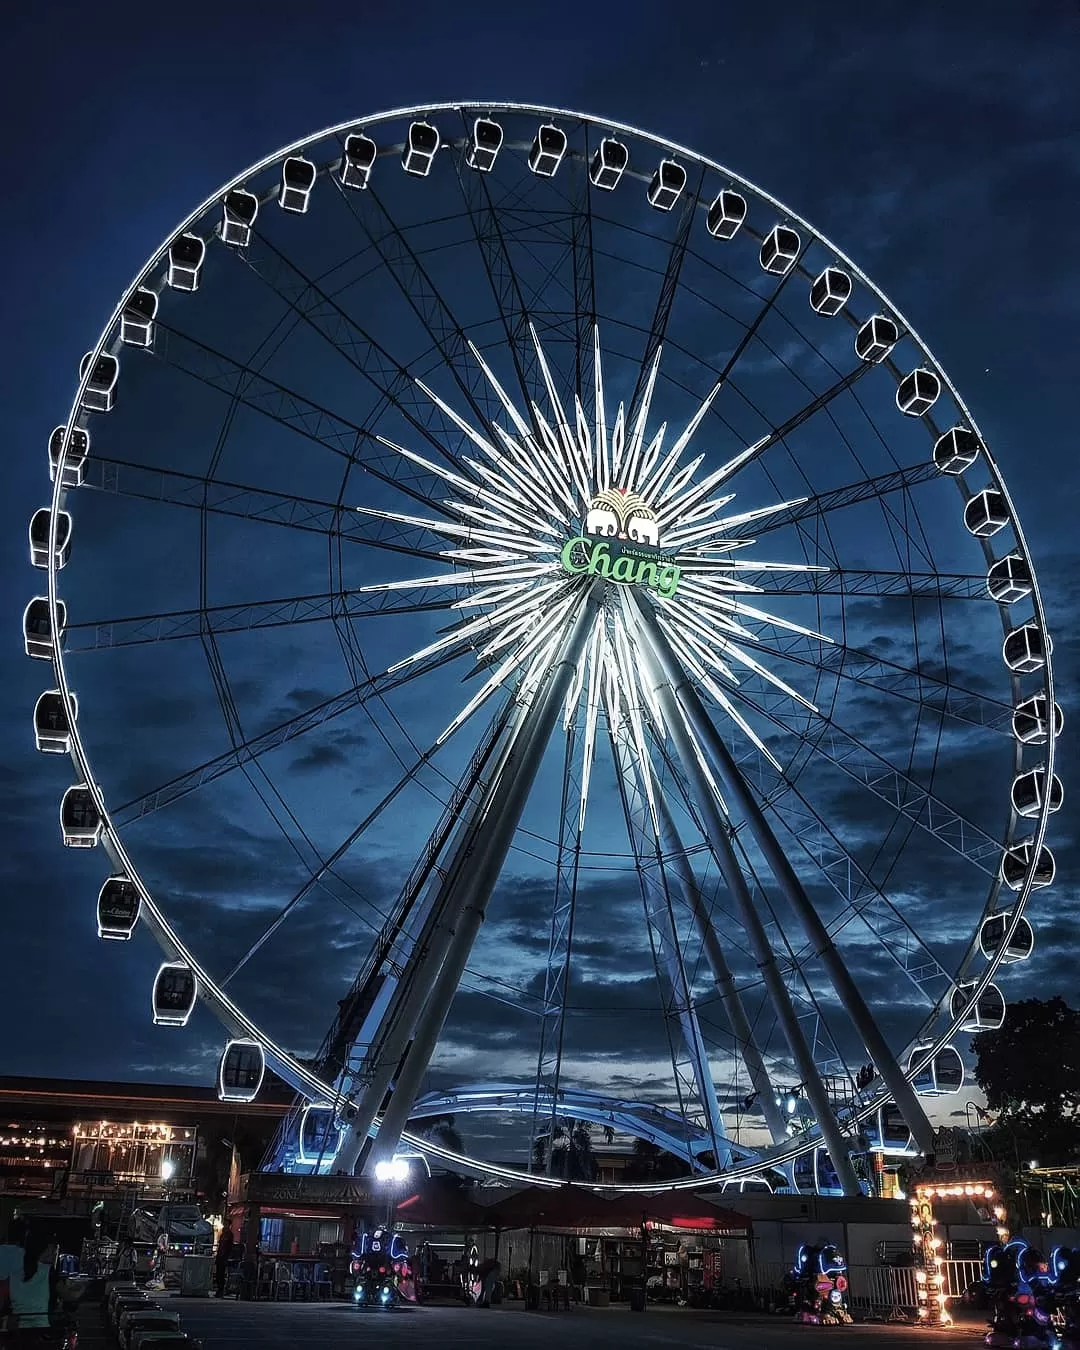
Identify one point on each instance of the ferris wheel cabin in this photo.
(830, 291)
(1030, 723)
(780, 250)
(726, 214)
(1025, 649)
(484, 147)
(876, 339)
(320, 1134)
(175, 992)
(118, 908)
(888, 1133)
(37, 627)
(421, 147)
(1015, 862)
(74, 470)
(137, 318)
(667, 185)
(985, 1013)
(100, 395)
(917, 392)
(814, 1174)
(986, 513)
(297, 179)
(992, 936)
(241, 1071)
(956, 450)
(548, 149)
(186, 257)
(1009, 579)
(53, 718)
(608, 164)
(941, 1076)
(238, 212)
(39, 538)
(80, 819)
(1029, 793)
(356, 164)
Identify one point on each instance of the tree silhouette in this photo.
(570, 1144)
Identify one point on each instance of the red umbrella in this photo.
(679, 1209)
(554, 1207)
(440, 1207)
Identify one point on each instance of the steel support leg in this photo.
(730, 997)
(691, 707)
(724, 854)
(477, 880)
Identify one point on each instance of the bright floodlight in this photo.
(391, 1169)
(168, 1169)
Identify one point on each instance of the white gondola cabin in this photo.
(100, 395)
(1029, 792)
(992, 935)
(354, 168)
(39, 538)
(667, 184)
(986, 513)
(80, 819)
(1030, 723)
(726, 214)
(956, 450)
(608, 164)
(814, 1174)
(547, 151)
(830, 291)
(53, 720)
(917, 392)
(187, 253)
(297, 179)
(320, 1134)
(118, 908)
(889, 1134)
(137, 318)
(78, 451)
(175, 992)
(1025, 649)
(238, 213)
(1009, 579)
(37, 627)
(1016, 862)
(985, 1013)
(942, 1076)
(241, 1071)
(484, 145)
(421, 147)
(876, 338)
(779, 250)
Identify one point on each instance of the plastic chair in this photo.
(283, 1281)
(301, 1282)
(322, 1284)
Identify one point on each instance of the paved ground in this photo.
(284, 1326)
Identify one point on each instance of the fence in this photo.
(876, 1288)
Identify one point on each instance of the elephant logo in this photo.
(618, 513)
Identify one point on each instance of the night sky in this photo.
(938, 146)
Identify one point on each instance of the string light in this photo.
(930, 1292)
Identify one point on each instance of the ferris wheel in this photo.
(538, 611)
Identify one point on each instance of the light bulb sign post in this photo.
(393, 1173)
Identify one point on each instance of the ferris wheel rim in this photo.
(229, 1013)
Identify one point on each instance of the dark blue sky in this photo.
(939, 148)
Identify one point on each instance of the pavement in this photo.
(230, 1325)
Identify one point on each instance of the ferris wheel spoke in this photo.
(862, 667)
(246, 751)
(880, 777)
(799, 579)
(281, 612)
(851, 494)
(241, 500)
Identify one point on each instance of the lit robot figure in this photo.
(1021, 1289)
(382, 1271)
(1065, 1271)
(819, 1279)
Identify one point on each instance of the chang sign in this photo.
(632, 567)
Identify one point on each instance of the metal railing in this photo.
(876, 1288)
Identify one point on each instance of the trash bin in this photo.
(637, 1300)
(195, 1276)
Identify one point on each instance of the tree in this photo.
(571, 1148)
(652, 1163)
(1030, 1071)
(1031, 1064)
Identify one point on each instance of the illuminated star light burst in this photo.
(525, 492)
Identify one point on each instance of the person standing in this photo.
(488, 1272)
(33, 1289)
(11, 1260)
(222, 1257)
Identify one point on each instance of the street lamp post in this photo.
(391, 1173)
